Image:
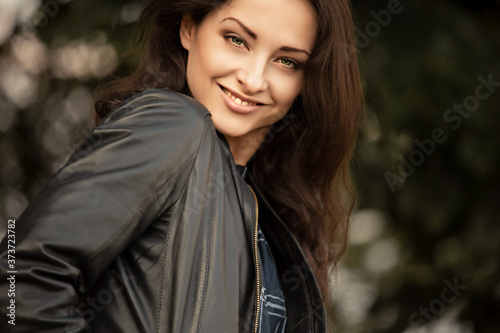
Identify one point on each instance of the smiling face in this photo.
(245, 63)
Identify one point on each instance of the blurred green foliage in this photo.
(430, 227)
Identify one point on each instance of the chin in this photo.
(231, 128)
(233, 133)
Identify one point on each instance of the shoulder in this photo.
(158, 107)
(156, 126)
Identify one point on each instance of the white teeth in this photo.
(237, 100)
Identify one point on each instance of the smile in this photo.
(238, 100)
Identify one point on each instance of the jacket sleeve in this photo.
(132, 167)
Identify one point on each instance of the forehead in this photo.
(289, 21)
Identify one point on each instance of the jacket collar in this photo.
(241, 168)
(296, 275)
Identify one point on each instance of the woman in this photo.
(222, 213)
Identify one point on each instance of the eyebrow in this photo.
(254, 36)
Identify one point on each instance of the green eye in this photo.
(236, 41)
(287, 62)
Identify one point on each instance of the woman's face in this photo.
(245, 62)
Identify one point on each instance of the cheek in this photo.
(284, 93)
(212, 58)
(286, 89)
(203, 65)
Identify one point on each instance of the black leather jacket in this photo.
(151, 227)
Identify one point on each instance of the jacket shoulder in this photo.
(157, 107)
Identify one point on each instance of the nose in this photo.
(252, 76)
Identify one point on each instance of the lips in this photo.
(237, 100)
(238, 103)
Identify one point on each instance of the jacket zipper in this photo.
(256, 253)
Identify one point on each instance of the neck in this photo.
(244, 147)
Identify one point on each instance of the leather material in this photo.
(149, 227)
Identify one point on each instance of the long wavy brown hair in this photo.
(304, 167)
